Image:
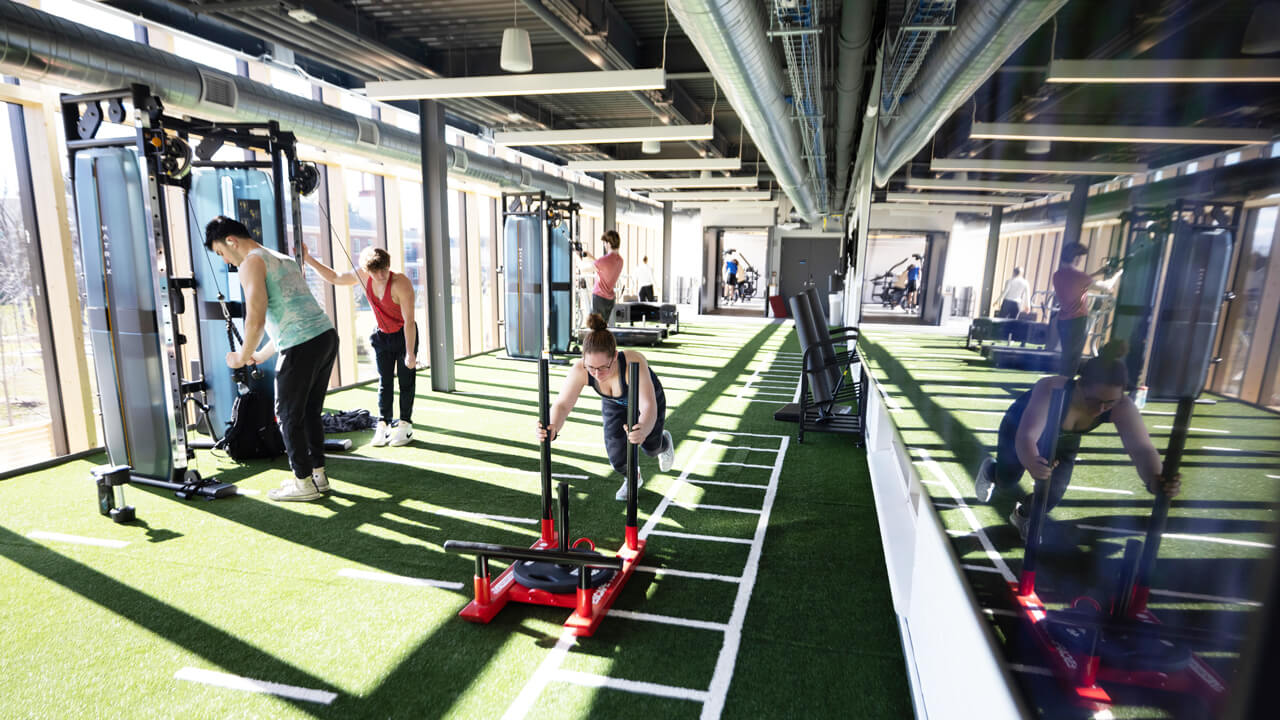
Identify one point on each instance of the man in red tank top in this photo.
(394, 343)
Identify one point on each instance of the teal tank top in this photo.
(293, 315)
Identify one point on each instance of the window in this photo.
(457, 281)
(315, 233)
(1192, 167)
(26, 423)
(290, 82)
(90, 14)
(485, 215)
(415, 266)
(205, 54)
(1251, 278)
(1232, 158)
(366, 225)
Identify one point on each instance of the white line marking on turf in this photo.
(1086, 488)
(726, 484)
(1227, 449)
(686, 574)
(465, 514)
(247, 491)
(1157, 412)
(695, 536)
(543, 675)
(726, 508)
(669, 620)
(633, 686)
(995, 557)
(1206, 598)
(762, 393)
(981, 568)
(236, 682)
(1194, 429)
(729, 462)
(459, 466)
(1179, 536)
(1273, 477)
(746, 447)
(76, 539)
(1031, 670)
(399, 579)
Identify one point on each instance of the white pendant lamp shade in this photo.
(517, 54)
(651, 147)
(1038, 147)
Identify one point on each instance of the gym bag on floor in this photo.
(253, 431)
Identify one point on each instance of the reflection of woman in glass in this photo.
(1095, 397)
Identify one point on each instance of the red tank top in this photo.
(385, 310)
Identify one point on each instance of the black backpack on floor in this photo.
(253, 431)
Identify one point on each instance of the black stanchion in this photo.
(1048, 447)
(633, 459)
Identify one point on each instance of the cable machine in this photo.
(540, 233)
(135, 296)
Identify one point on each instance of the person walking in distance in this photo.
(1016, 297)
(730, 275)
(277, 300)
(644, 278)
(394, 341)
(608, 269)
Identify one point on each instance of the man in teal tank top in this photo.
(277, 300)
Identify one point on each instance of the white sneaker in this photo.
(295, 490)
(401, 434)
(668, 454)
(381, 433)
(985, 483)
(320, 480)
(622, 491)
(1020, 521)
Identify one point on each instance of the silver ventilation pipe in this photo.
(730, 38)
(855, 38)
(40, 47)
(986, 34)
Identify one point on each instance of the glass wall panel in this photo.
(485, 232)
(1250, 284)
(366, 225)
(26, 431)
(461, 346)
(415, 266)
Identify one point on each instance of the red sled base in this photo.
(590, 606)
(1084, 675)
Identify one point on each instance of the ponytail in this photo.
(599, 340)
(1108, 368)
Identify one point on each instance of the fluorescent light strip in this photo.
(725, 205)
(1038, 167)
(713, 195)
(987, 185)
(899, 209)
(690, 182)
(952, 199)
(1164, 71)
(656, 165)
(1120, 133)
(589, 136)
(502, 85)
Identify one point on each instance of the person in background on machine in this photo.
(913, 283)
(1017, 295)
(604, 368)
(608, 269)
(644, 278)
(276, 297)
(1095, 397)
(1071, 287)
(730, 274)
(394, 341)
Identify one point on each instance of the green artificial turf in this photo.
(947, 403)
(257, 589)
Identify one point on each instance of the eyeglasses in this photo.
(599, 370)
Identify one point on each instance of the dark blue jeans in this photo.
(302, 378)
(388, 353)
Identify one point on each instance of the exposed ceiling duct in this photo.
(986, 34)
(730, 38)
(37, 46)
(855, 38)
